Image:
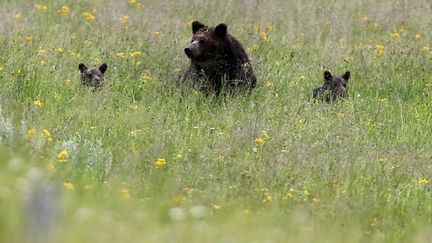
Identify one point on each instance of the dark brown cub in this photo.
(334, 87)
(92, 77)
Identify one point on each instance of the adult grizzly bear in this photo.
(219, 63)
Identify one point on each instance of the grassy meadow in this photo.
(142, 161)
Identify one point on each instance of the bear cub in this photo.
(334, 87)
(217, 60)
(92, 77)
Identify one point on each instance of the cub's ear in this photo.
(221, 30)
(196, 25)
(103, 67)
(328, 76)
(346, 76)
(82, 67)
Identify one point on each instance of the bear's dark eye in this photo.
(201, 41)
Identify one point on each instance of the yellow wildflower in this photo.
(140, 5)
(264, 37)
(146, 78)
(417, 37)
(288, 196)
(395, 36)
(63, 156)
(41, 50)
(340, 115)
(120, 55)
(89, 16)
(316, 200)
(160, 163)
(40, 7)
(46, 134)
(382, 159)
(423, 182)
(379, 50)
(31, 132)
(37, 103)
(426, 48)
(18, 16)
(255, 47)
(42, 62)
(132, 1)
(58, 50)
(265, 134)
(1, 69)
(124, 21)
(134, 107)
(383, 101)
(63, 10)
(259, 141)
(74, 54)
(69, 186)
(177, 70)
(216, 206)
(125, 194)
(269, 85)
(136, 54)
(268, 198)
(156, 33)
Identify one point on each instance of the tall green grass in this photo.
(270, 167)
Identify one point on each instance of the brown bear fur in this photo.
(218, 59)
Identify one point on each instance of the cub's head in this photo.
(206, 42)
(337, 85)
(93, 77)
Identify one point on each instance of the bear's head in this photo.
(92, 76)
(206, 42)
(337, 85)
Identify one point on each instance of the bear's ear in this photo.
(196, 25)
(103, 67)
(346, 76)
(82, 67)
(221, 30)
(328, 76)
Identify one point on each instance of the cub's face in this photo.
(205, 41)
(338, 85)
(92, 76)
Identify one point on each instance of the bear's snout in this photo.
(188, 52)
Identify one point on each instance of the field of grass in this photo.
(140, 161)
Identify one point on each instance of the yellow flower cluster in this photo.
(262, 139)
(63, 156)
(160, 163)
(89, 16)
(40, 7)
(64, 10)
(379, 50)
